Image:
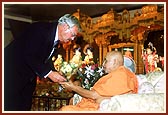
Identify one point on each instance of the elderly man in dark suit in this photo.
(28, 56)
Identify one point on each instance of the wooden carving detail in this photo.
(114, 29)
(122, 24)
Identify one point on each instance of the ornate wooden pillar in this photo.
(66, 46)
(71, 53)
(138, 39)
(100, 54)
(103, 43)
(105, 50)
(140, 60)
(135, 54)
(67, 54)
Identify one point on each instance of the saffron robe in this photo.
(117, 82)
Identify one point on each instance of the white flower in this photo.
(89, 71)
(86, 81)
(80, 69)
(62, 69)
(88, 76)
(76, 65)
(68, 69)
(100, 71)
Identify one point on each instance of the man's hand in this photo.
(56, 77)
(67, 85)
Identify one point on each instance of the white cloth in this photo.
(150, 97)
(151, 102)
(76, 98)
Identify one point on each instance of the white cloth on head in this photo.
(130, 64)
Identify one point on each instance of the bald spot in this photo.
(117, 56)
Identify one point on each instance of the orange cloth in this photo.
(118, 82)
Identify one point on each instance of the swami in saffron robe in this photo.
(120, 81)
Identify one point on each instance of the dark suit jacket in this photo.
(33, 47)
(24, 59)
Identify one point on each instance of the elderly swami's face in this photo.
(107, 64)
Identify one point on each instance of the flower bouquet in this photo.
(68, 69)
(89, 74)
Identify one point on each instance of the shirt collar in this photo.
(56, 35)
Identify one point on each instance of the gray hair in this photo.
(70, 20)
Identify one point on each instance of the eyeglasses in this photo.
(72, 33)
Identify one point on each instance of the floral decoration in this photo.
(89, 74)
(68, 69)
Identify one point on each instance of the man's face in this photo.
(69, 34)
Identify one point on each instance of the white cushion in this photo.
(134, 103)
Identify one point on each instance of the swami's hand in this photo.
(68, 85)
(56, 77)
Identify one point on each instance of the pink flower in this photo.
(94, 66)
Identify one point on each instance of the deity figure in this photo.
(128, 53)
(150, 58)
(162, 61)
(77, 57)
(88, 51)
(58, 62)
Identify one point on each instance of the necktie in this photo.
(54, 47)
